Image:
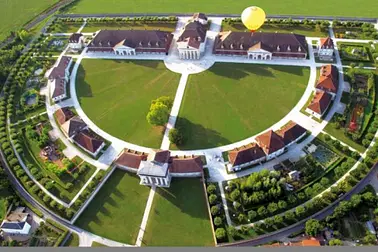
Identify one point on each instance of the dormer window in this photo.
(241, 46)
(149, 43)
(157, 43)
(299, 49)
(108, 43)
(232, 46)
(100, 43)
(278, 48)
(288, 48)
(140, 43)
(199, 39)
(222, 46)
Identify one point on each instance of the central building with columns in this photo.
(192, 41)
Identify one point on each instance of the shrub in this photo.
(218, 221)
(211, 189)
(214, 210)
(252, 215)
(232, 231)
(176, 137)
(213, 199)
(220, 233)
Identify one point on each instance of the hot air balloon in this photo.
(253, 18)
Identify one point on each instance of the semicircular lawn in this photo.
(116, 95)
(230, 102)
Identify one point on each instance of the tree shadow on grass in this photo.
(296, 70)
(197, 136)
(187, 194)
(83, 89)
(144, 63)
(240, 71)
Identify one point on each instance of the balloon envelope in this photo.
(253, 17)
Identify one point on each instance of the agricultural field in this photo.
(116, 95)
(228, 102)
(117, 210)
(14, 14)
(179, 216)
(322, 7)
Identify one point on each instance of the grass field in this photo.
(179, 216)
(15, 13)
(73, 241)
(230, 102)
(117, 210)
(321, 7)
(116, 95)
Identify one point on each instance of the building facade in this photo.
(261, 46)
(76, 41)
(154, 171)
(58, 77)
(319, 104)
(326, 49)
(192, 40)
(271, 143)
(240, 158)
(130, 42)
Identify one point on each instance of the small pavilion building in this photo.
(154, 171)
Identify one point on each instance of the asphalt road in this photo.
(282, 233)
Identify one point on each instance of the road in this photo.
(300, 225)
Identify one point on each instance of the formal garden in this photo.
(179, 216)
(354, 30)
(217, 108)
(306, 27)
(357, 126)
(120, 107)
(117, 209)
(355, 53)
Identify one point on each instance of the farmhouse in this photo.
(181, 166)
(76, 41)
(131, 42)
(326, 49)
(89, 142)
(245, 156)
(319, 104)
(129, 159)
(272, 144)
(328, 80)
(58, 77)
(261, 46)
(17, 223)
(63, 115)
(291, 132)
(192, 41)
(73, 126)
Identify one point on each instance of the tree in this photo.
(158, 114)
(278, 219)
(289, 215)
(211, 189)
(300, 211)
(214, 210)
(176, 137)
(218, 221)
(313, 227)
(220, 233)
(212, 199)
(272, 208)
(232, 231)
(23, 35)
(370, 239)
(166, 100)
(335, 242)
(262, 211)
(282, 204)
(252, 215)
(235, 194)
(241, 217)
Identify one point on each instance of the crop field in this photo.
(15, 13)
(299, 7)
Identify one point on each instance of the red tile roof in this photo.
(245, 154)
(310, 243)
(270, 142)
(130, 159)
(88, 140)
(320, 102)
(329, 79)
(329, 71)
(290, 132)
(161, 156)
(186, 165)
(326, 43)
(63, 115)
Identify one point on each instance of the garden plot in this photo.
(324, 156)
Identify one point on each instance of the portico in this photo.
(189, 54)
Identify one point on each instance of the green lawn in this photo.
(299, 29)
(15, 13)
(230, 102)
(179, 216)
(117, 210)
(116, 95)
(96, 244)
(3, 209)
(93, 27)
(73, 241)
(66, 27)
(322, 7)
